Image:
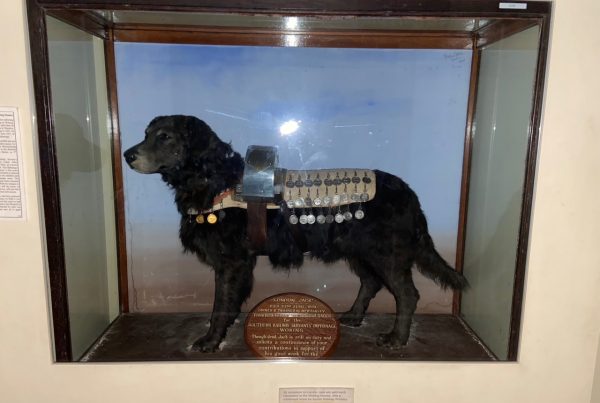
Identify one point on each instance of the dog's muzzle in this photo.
(130, 155)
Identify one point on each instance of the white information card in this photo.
(316, 395)
(12, 197)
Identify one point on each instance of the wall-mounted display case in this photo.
(445, 96)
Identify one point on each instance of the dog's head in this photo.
(169, 143)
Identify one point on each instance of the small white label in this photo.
(513, 6)
(316, 395)
(12, 196)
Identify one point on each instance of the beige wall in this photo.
(561, 316)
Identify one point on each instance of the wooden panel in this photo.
(466, 173)
(501, 29)
(50, 188)
(262, 37)
(141, 337)
(524, 230)
(480, 8)
(87, 22)
(113, 102)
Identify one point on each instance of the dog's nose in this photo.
(130, 155)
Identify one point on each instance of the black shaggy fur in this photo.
(381, 248)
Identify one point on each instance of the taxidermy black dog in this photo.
(381, 248)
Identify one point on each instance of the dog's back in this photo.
(393, 224)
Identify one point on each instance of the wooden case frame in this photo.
(78, 13)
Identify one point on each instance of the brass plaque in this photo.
(292, 325)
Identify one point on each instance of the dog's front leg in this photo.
(233, 284)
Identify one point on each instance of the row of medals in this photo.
(327, 202)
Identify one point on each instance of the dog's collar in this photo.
(226, 200)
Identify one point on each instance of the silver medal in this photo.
(327, 200)
(290, 204)
(329, 219)
(359, 214)
(347, 216)
(321, 219)
(355, 197)
(339, 218)
(299, 202)
(310, 218)
(308, 202)
(303, 219)
(317, 201)
(294, 219)
(364, 197)
(344, 198)
(336, 200)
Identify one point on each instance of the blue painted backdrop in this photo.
(402, 111)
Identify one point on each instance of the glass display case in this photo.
(424, 118)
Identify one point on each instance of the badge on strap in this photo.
(211, 218)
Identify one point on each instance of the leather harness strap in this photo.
(257, 225)
(318, 189)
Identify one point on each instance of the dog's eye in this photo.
(164, 136)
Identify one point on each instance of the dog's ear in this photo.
(199, 137)
(197, 131)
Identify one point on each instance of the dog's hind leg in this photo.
(370, 284)
(400, 283)
(233, 284)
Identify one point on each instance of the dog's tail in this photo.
(431, 264)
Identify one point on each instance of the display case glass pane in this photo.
(401, 111)
(500, 139)
(83, 153)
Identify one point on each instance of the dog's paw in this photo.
(205, 345)
(391, 341)
(351, 320)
